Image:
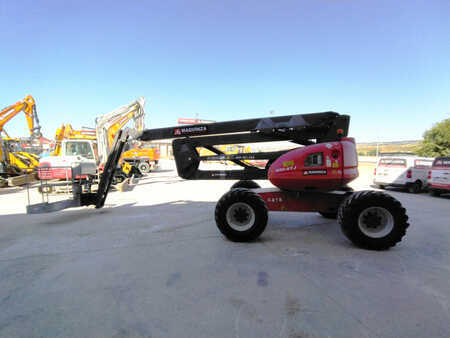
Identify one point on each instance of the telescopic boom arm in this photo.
(300, 129)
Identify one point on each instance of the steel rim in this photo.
(376, 222)
(144, 166)
(240, 216)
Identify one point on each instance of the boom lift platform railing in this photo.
(76, 186)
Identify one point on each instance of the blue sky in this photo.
(386, 63)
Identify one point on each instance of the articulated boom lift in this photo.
(310, 178)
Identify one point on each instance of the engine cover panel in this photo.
(322, 166)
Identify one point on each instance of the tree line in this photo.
(436, 140)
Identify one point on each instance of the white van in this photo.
(410, 172)
(439, 176)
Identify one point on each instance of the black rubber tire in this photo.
(355, 204)
(252, 200)
(247, 184)
(330, 215)
(415, 188)
(144, 167)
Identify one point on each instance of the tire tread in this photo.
(349, 211)
(241, 195)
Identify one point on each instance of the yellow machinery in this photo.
(17, 158)
(72, 146)
(108, 125)
(91, 146)
(13, 161)
(66, 132)
(145, 159)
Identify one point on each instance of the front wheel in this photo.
(373, 220)
(241, 215)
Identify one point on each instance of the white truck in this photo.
(439, 176)
(73, 152)
(410, 172)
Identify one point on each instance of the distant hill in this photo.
(389, 142)
(370, 148)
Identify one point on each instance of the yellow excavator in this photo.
(108, 125)
(90, 146)
(14, 161)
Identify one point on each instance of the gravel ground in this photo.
(152, 264)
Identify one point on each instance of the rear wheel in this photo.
(241, 215)
(373, 220)
(144, 167)
(415, 187)
(247, 184)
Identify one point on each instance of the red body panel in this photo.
(440, 186)
(323, 166)
(279, 200)
(47, 172)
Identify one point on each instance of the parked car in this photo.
(439, 176)
(410, 172)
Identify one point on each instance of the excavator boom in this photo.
(12, 162)
(108, 125)
(28, 106)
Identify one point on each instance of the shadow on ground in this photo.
(159, 218)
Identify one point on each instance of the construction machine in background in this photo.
(13, 160)
(72, 147)
(89, 147)
(143, 158)
(24, 160)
